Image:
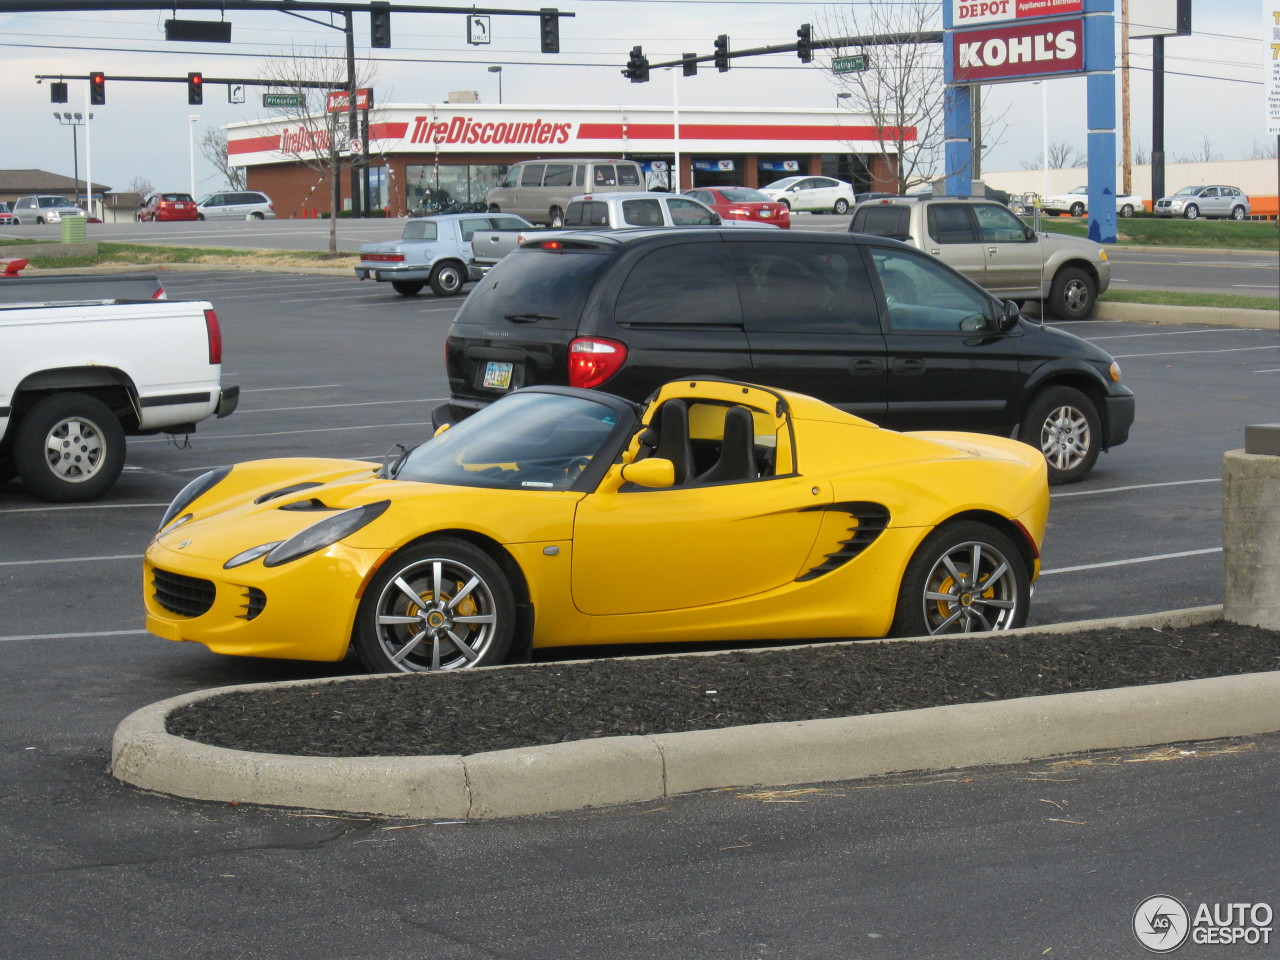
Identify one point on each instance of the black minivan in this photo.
(867, 324)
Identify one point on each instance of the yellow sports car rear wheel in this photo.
(443, 604)
(965, 578)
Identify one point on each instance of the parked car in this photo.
(236, 205)
(540, 190)
(1202, 201)
(989, 244)
(743, 203)
(432, 250)
(44, 209)
(815, 194)
(716, 511)
(1076, 203)
(874, 327)
(168, 206)
(6, 215)
(610, 211)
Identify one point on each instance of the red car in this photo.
(743, 203)
(168, 206)
(6, 215)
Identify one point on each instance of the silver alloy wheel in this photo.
(74, 449)
(972, 587)
(1065, 438)
(1075, 295)
(435, 614)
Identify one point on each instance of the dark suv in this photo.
(870, 325)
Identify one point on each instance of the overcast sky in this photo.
(1214, 88)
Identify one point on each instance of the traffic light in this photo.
(549, 19)
(195, 89)
(804, 43)
(379, 23)
(57, 92)
(98, 88)
(690, 64)
(722, 52)
(637, 67)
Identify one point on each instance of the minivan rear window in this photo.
(537, 287)
(681, 285)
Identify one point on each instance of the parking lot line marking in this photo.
(291, 433)
(49, 508)
(74, 636)
(1179, 353)
(309, 386)
(32, 563)
(1171, 333)
(1125, 563)
(332, 406)
(1135, 486)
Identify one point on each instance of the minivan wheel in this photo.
(447, 280)
(842, 206)
(1077, 209)
(557, 218)
(1063, 424)
(1072, 295)
(1191, 212)
(1237, 213)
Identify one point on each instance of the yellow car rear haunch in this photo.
(718, 511)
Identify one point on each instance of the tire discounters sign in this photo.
(1020, 50)
(967, 13)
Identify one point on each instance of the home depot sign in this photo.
(966, 13)
(1020, 50)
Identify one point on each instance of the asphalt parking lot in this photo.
(332, 367)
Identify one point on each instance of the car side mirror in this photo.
(716, 220)
(650, 472)
(1009, 314)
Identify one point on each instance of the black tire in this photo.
(1237, 213)
(447, 279)
(1126, 211)
(1063, 424)
(68, 448)
(1191, 212)
(407, 288)
(1077, 209)
(994, 596)
(842, 206)
(1073, 295)
(405, 619)
(40, 220)
(557, 218)
(787, 204)
(199, 216)
(258, 216)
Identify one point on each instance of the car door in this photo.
(215, 208)
(805, 194)
(641, 550)
(811, 321)
(952, 237)
(1014, 255)
(949, 366)
(690, 213)
(1209, 202)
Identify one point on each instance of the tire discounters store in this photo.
(447, 156)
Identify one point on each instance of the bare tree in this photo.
(213, 144)
(312, 134)
(1140, 155)
(901, 89)
(141, 186)
(1265, 151)
(1062, 156)
(1202, 154)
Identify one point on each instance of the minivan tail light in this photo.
(215, 337)
(593, 360)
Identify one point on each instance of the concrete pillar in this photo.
(1251, 529)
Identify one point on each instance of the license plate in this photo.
(497, 375)
(766, 213)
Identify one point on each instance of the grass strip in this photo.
(1178, 298)
(1153, 232)
(144, 255)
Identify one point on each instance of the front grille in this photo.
(255, 601)
(185, 596)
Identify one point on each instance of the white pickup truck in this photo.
(605, 211)
(77, 376)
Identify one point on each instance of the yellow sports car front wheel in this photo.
(442, 604)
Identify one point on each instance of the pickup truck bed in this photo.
(63, 287)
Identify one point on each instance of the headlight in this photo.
(1102, 254)
(196, 488)
(327, 531)
(253, 553)
(1114, 370)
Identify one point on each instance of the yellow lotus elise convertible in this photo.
(717, 511)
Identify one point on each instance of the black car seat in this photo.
(737, 461)
(673, 438)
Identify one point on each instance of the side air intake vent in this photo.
(869, 521)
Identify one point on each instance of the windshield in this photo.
(1188, 191)
(743, 195)
(525, 441)
(783, 183)
(55, 202)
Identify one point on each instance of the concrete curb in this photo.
(614, 770)
(1215, 316)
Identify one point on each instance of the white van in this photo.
(540, 190)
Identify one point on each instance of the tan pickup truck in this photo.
(988, 243)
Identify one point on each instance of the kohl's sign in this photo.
(1021, 50)
(965, 13)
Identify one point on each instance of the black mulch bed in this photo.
(471, 712)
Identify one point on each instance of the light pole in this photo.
(842, 96)
(498, 71)
(74, 121)
(191, 149)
